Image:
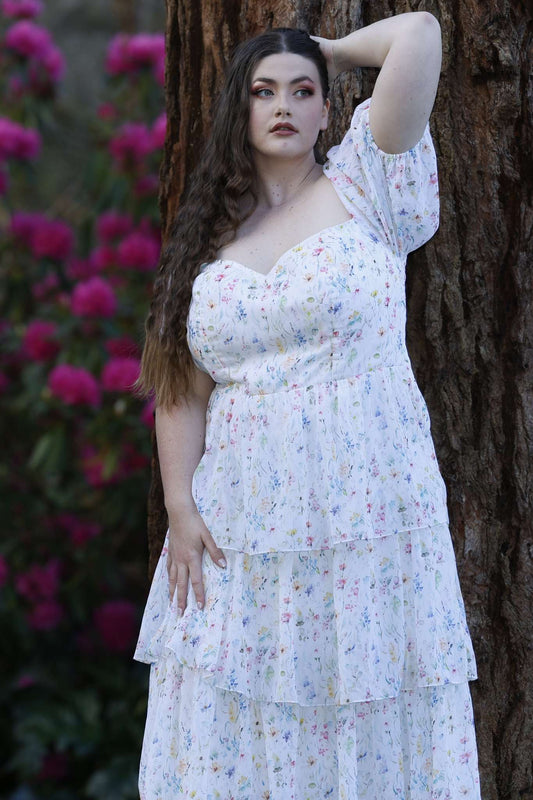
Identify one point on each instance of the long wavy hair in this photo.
(209, 213)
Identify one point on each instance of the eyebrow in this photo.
(300, 79)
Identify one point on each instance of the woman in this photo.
(314, 644)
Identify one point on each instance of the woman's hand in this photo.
(188, 537)
(327, 47)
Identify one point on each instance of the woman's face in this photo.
(287, 110)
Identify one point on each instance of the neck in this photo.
(280, 183)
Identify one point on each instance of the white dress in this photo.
(332, 657)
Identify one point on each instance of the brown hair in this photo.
(210, 213)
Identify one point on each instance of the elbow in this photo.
(428, 25)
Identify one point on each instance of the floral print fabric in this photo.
(332, 656)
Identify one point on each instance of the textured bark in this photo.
(470, 330)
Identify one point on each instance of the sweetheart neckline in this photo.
(234, 262)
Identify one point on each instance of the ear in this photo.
(325, 116)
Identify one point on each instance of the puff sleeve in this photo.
(397, 193)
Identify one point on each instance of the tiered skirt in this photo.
(335, 673)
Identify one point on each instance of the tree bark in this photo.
(470, 329)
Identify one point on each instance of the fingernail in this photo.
(222, 563)
(200, 605)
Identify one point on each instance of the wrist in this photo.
(180, 505)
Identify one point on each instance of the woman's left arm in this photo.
(407, 48)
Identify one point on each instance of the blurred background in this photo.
(82, 128)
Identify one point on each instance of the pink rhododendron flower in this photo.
(93, 468)
(52, 239)
(122, 346)
(138, 251)
(28, 39)
(23, 225)
(94, 298)
(119, 374)
(147, 415)
(17, 141)
(46, 615)
(103, 257)
(80, 531)
(146, 186)
(39, 582)
(113, 225)
(74, 385)
(116, 622)
(40, 342)
(21, 9)
(131, 143)
(127, 54)
(159, 131)
(49, 68)
(80, 269)
(4, 571)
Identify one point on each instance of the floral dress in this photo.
(332, 657)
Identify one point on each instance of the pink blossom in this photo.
(146, 186)
(4, 571)
(18, 9)
(146, 49)
(39, 582)
(147, 415)
(116, 622)
(112, 225)
(94, 298)
(122, 346)
(119, 374)
(74, 385)
(127, 54)
(52, 239)
(80, 531)
(94, 468)
(4, 181)
(17, 141)
(47, 68)
(103, 257)
(24, 224)
(28, 39)
(40, 342)
(159, 131)
(46, 615)
(131, 143)
(138, 251)
(159, 71)
(79, 269)
(132, 460)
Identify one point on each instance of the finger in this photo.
(172, 579)
(195, 569)
(183, 585)
(215, 552)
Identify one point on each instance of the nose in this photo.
(283, 108)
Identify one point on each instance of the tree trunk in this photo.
(470, 330)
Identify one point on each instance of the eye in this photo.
(304, 93)
(262, 92)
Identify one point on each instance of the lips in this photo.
(283, 126)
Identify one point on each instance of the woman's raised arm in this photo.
(408, 50)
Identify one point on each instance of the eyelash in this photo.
(257, 92)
